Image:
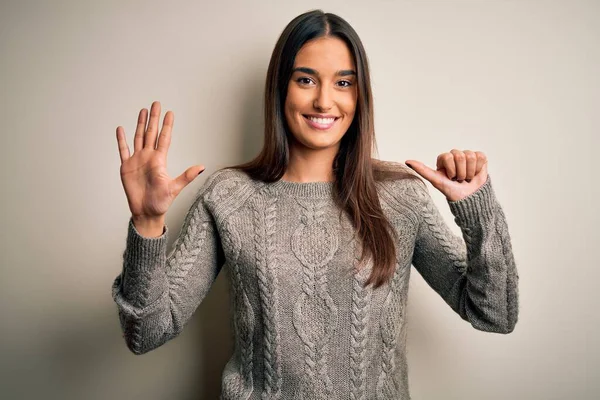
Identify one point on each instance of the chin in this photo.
(318, 139)
(318, 144)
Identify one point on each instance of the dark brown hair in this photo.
(356, 171)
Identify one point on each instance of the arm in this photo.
(476, 276)
(156, 294)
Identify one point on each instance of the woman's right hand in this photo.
(149, 189)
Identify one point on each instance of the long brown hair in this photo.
(356, 171)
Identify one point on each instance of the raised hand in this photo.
(458, 174)
(149, 189)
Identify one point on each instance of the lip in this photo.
(321, 127)
(320, 115)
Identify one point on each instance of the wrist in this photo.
(149, 226)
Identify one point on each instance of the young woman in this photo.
(317, 236)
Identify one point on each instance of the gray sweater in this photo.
(304, 327)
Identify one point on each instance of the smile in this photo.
(320, 123)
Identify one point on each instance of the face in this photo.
(322, 94)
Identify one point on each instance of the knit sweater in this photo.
(304, 327)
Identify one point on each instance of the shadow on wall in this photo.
(211, 326)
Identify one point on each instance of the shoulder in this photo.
(391, 170)
(400, 191)
(398, 180)
(224, 183)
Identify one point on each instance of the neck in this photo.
(308, 165)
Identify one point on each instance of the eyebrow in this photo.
(310, 71)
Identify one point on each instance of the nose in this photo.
(323, 99)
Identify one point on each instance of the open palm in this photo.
(149, 189)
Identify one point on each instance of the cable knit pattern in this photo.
(393, 316)
(304, 326)
(482, 285)
(136, 291)
(451, 244)
(361, 299)
(238, 384)
(265, 213)
(315, 315)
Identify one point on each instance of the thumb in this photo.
(186, 178)
(423, 170)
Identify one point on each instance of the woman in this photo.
(318, 236)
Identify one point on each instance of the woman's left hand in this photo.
(458, 174)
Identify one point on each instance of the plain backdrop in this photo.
(518, 80)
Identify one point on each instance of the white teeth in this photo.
(322, 121)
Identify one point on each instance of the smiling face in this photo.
(321, 97)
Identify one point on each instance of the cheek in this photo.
(293, 106)
(347, 101)
(289, 113)
(348, 105)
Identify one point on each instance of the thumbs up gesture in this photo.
(458, 173)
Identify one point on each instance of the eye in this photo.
(304, 80)
(345, 83)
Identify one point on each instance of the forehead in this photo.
(325, 54)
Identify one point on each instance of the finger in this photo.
(461, 164)
(138, 139)
(448, 165)
(152, 131)
(164, 140)
(482, 175)
(439, 163)
(471, 164)
(122, 142)
(184, 179)
(481, 161)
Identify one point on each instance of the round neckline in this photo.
(305, 189)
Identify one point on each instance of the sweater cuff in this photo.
(476, 207)
(143, 252)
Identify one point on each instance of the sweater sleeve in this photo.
(476, 276)
(156, 294)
